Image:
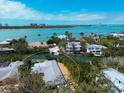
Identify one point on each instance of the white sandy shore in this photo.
(38, 44)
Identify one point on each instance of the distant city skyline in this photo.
(55, 12)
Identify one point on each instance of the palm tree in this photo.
(38, 34)
(68, 34)
(54, 34)
(25, 36)
(82, 34)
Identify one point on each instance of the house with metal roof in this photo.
(115, 80)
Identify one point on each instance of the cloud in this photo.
(79, 17)
(17, 10)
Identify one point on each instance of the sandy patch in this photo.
(64, 70)
(38, 44)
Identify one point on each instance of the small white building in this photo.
(115, 80)
(54, 50)
(62, 36)
(95, 49)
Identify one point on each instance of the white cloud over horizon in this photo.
(17, 10)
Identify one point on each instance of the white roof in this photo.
(96, 46)
(9, 40)
(117, 34)
(115, 77)
(62, 36)
(4, 43)
(50, 69)
(54, 49)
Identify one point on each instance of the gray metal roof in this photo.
(52, 73)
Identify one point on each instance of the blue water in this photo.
(32, 34)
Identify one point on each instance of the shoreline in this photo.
(38, 27)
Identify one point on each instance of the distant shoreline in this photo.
(37, 27)
(48, 26)
(53, 26)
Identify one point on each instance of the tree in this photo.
(68, 34)
(82, 34)
(54, 39)
(30, 82)
(54, 34)
(21, 46)
(89, 40)
(106, 52)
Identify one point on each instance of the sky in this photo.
(23, 12)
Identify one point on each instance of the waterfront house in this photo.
(95, 49)
(52, 74)
(73, 47)
(5, 44)
(118, 35)
(54, 50)
(6, 51)
(69, 48)
(62, 36)
(9, 40)
(115, 80)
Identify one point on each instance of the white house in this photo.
(6, 50)
(54, 50)
(62, 36)
(73, 47)
(5, 43)
(115, 80)
(118, 35)
(95, 49)
(51, 71)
